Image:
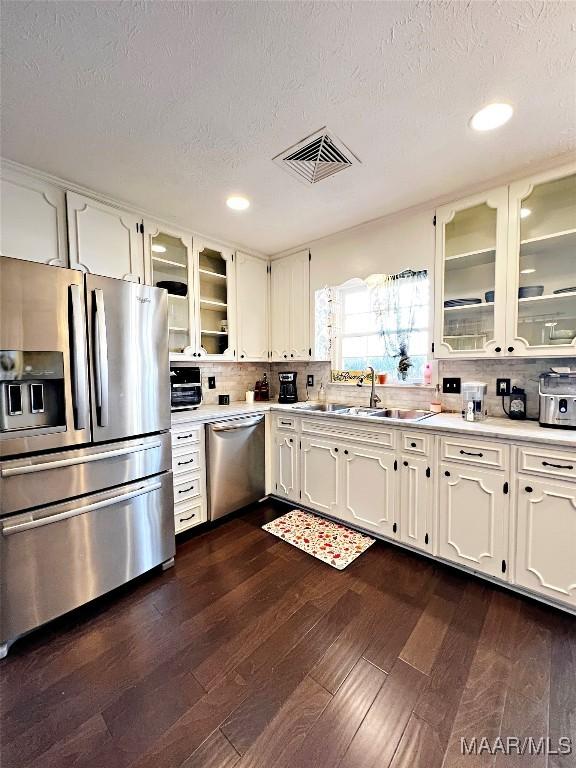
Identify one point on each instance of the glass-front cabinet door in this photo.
(215, 297)
(471, 276)
(542, 265)
(169, 265)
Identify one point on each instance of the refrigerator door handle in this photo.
(8, 530)
(27, 469)
(101, 358)
(79, 361)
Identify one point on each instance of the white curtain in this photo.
(395, 300)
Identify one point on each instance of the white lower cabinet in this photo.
(455, 504)
(416, 501)
(320, 474)
(189, 476)
(369, 489)
(546, 538)
(473, 518)
(285, 457)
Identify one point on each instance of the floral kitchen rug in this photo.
(330, 542)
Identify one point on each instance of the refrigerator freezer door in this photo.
(130, 371)
(43, 344)
(57, 558)
(48, 478)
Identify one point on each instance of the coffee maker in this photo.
(288, 392)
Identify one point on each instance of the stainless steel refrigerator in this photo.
(86, 495)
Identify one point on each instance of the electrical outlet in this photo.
(451, 386)
(211, 382)
(502, 386)
(310, 380)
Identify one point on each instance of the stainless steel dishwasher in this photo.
(235, 464)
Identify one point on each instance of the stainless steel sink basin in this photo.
(406, 414)
(323, 407)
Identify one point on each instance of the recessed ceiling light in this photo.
(525, 212)
(238, 203)
(527, 271)
(159, 249)
(491, 116)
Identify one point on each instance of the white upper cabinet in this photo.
(252, 315)
(542, 267)
(290, 307)
(215, 302)
(506, 270)
(471, 276)
(104, 240)
(33, 219)
(169, 264)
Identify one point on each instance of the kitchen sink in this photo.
(406, 414)
(323, 407)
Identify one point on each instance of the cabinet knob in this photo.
(346, 452)
(413, 445)
(447, 473)
(291, 355)
(335, 450)
(510, 349)
(405, 463)
(528, 489)
(291, 440)
(285, 355)
(497, 349)
(395, 527)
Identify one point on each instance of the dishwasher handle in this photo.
(232, 424)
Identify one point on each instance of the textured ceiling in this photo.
(173, 106)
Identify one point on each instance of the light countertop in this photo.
(524, 431)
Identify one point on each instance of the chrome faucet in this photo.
(374, 399)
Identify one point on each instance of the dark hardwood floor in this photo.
(251, 653)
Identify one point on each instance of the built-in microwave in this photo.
(185, 388)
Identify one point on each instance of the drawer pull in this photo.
(184, 519)
(557, 466)
(186, 490)
(469, 453)
(182, 463)
(413, 445)
(286, 423)
(394, 527)
(185, 437)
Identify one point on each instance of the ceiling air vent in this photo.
(316, 157)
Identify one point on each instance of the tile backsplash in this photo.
(522, 372)
(235, 378)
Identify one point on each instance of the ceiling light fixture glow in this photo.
(490, 117)
(159, 249)
(238, 203)
(527, 271)
(525, 212)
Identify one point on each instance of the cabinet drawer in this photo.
(184, 435)
(186, 487)
(285, 422)
(550, 462)
(188, 515)
(339, 430)
(480, 452)
(186, 461)
(416, 443)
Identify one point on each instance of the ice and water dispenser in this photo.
(31, 390)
